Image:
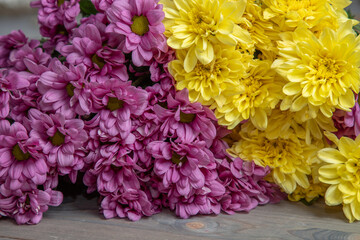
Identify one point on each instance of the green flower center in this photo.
(61, 30)
(98, 60)
(115, 168)
(27, 200)
(60, 2)
(187, 117)
(140, 25)
(58, 139)
(163, 105)
(19, 154)
(177, 159)
(114, 104)
(70, 89)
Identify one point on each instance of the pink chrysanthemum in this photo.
(102, 5)
(140, 22)
(60, 139)
(4, 96)
(205, 200)
(65, 90)
(30, 51)
(56, 16)
(118, 101)
(347, 123)
(185, 120)
(20, 163)
(114, 169)
(179, 164)
(129, 203)
(87, 48)
(22, 88)
(245, 186)
(14, 40)
(14, 81)
(4, 104)
(28, 207)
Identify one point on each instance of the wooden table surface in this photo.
(80, 219)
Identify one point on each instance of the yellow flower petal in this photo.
(347, 100)
(260, 119)
(331, 155)
(347, 145)
(301, 179)
(355, 209)
(329, 172)
(299, 104)
(182, 5)
(190, 60)
(204, 52)
(226, 27)
(292, 88)
(347, 188)
(348, 213)
(333, 196)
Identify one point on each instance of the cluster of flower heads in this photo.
(96, 97)
(283, 75)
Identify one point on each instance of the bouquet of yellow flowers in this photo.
(284, 76)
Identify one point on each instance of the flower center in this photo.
(187, 117)
(177, 159)
(353, 166)
(114, 104)
(208, 72)
(27, 200)
(140, 25)
(164, 105)
(60, 29)
(327, 68)
(251, 84)
(19, 154)
(58, 139)
(115, 168)
(281, 153)
(98, 60)
(60, 2)
(201, 22)
(70, 89)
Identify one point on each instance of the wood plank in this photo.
(80, 219)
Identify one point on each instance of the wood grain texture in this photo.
(80, 219)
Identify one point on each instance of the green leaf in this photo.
(357, 29)
(87, 8)
(303, 200)
(350, 15)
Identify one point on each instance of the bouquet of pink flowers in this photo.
(93, 101)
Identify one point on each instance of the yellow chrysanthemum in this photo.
(205, 82)
(316, 189)
(289, 14)
(310, 194)
(322, 73)
(254, 95)
(287, 157)
(342, 172)
(199, 25)
(282, 123)
(262, 32)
